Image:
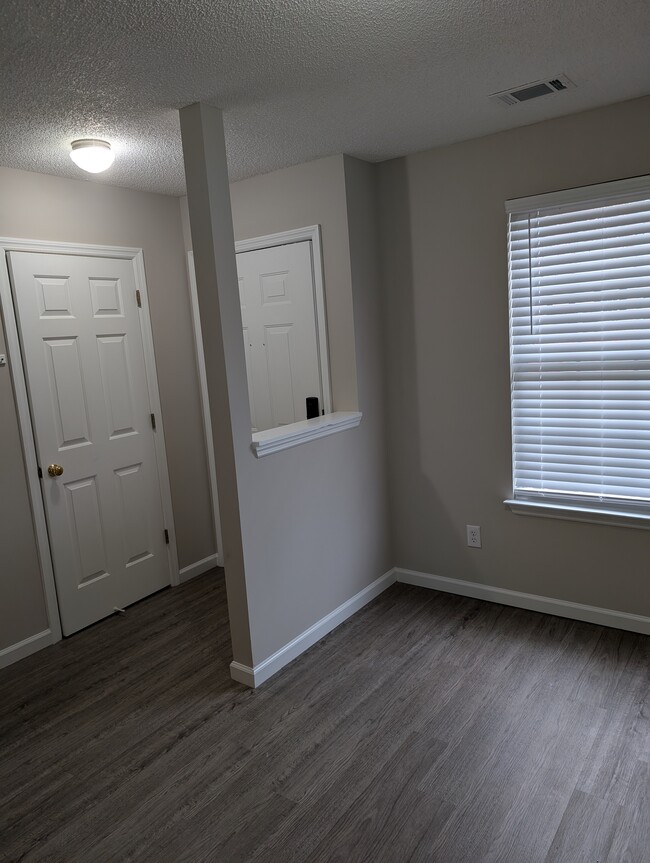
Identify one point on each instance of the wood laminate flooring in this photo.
(428, 728)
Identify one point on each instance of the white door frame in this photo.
(299, 235)
(15, 362)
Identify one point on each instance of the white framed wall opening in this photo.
(284, 328)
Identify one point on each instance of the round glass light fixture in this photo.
(92, 155)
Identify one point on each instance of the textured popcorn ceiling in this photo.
(297, 80)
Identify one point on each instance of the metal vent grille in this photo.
(533, 90)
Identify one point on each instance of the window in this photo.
(579, 274)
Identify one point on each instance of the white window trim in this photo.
(599, 192)
(567, 509)
(566, 512)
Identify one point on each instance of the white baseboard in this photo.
(243, 674)
(11, 654)
(267, 668)
(530, 601)
(199, 567)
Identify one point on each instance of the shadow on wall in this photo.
(415, 447)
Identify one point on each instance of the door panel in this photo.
(86, 377)
(280, 360)
(133, 502)
(88, 532)
(116, 385)
(69, 406)
(106, 295)
(276, 288)
(53, 297)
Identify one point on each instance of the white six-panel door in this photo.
(86, 376)
(276, 288)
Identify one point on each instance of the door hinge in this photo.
(138, 299)
(153, 421)
(40, 473)
(166, 536)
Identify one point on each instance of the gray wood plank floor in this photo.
(428, 727)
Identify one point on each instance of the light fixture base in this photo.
(92, 154)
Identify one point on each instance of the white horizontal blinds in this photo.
(580, 349)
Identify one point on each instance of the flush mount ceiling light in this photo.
(92, 155)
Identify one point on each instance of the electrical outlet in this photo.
(473, 535)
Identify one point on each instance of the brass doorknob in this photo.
(55, 470)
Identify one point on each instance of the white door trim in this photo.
(15, 361)
(311, 233)
(205, 406)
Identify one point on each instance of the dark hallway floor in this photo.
(427, 728)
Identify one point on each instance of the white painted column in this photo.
(208, 196)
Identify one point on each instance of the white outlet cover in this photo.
(473, 535)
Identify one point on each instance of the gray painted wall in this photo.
(39, 207)
(315, 518)
(318, 513)
(446, 323)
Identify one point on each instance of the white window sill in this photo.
(284, 437)
(567, 512)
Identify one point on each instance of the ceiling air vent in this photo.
(533, 90)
